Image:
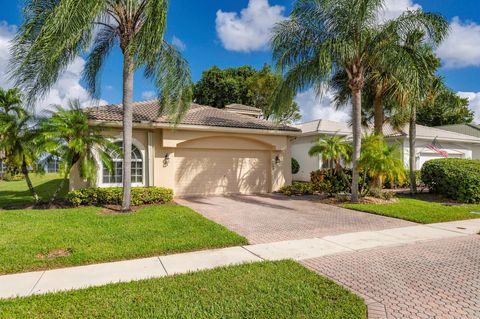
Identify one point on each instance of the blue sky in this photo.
(207, 32)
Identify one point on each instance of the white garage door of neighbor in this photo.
(425, 157)
(218, 172)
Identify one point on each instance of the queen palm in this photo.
(324, 37)
(332, 148)
(69, 136)
(54, 33)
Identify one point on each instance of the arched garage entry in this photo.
(222, 165)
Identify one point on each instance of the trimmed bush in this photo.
(331, 182)
(295, 166)
(455, 178)
(113, 196)
(297, 188)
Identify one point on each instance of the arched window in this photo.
(115, 177)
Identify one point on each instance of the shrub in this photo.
(295, 166)
(396, 183)
(297, 188)
(9, 177)
(113, 196)
(458, 179)
(331, 182)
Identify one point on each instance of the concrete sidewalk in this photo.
(40, 282)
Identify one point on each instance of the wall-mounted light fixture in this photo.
(166, 160)
(277, 159)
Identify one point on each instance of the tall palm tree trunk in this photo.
(128, 71)
(357, 139)
(378, 119)
(379, 116)
(29, 182)
(412, 152)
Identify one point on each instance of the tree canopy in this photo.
(243, 85)
(446, 109)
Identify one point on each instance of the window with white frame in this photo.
(116, 175)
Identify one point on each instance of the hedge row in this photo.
(454, 178)
(113, 196)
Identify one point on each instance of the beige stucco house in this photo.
(211, 152)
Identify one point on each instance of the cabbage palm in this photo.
(69, 136)
(21, 143)
(324, 37)
(55, 32)
(332, 148)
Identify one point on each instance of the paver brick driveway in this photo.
(439, 279)
(270, 218)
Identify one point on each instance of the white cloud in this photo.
(474, 99)
(147, 95)
(67, 87)
(251, 29)
(179, 44)
(462, 46)
(313, 107)
(395, 8)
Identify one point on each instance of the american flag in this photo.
(437, 148)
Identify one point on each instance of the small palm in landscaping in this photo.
(70, 137)
(332, 148)
(380, 161)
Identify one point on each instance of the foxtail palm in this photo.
(332, 148)
(69, 136)
(324, 37)
(54, 33)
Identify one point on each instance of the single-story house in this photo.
(455, 144)
(210, 152)
(467, 129)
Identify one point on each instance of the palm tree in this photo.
(380, 161)
(21, 144)
(324, 37)
(69, 136)
(11, 100)
(332, 148)
(54, 33)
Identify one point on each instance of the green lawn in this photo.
(28, 235)
(419, 211)
(13, 193)
(282, 289)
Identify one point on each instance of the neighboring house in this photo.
(302, 144)
(455, 144)
(53, 165)
(211, 152)
(467, 129)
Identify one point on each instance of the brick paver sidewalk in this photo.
(439, 279)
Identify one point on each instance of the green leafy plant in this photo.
(113, 196)
(456, 178)
(331, 182)
(332, 148)
(295, 166)
(297, 188)
(380, 162)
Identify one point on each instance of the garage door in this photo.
(218, 172)
(425, 157)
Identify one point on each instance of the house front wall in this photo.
(207, 163)
(300, 147)
(424, 154)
